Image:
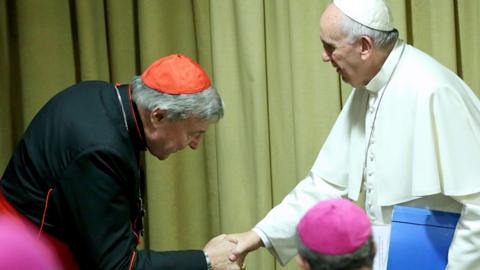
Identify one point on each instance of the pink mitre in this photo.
(334, 227)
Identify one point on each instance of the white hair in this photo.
(207, 104)
(354, 30)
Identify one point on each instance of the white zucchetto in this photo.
(372, 13)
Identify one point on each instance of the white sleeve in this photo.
(263, 237)
(279, 225)
(464, 250)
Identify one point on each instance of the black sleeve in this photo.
(93, 196)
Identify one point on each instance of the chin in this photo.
(162, 157)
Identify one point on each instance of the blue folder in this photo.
(420, 238)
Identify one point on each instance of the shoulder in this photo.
(420, 73)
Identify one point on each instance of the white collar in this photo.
(382, 77)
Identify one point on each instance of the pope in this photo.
(409, 134)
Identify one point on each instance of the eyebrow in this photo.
(326, 43)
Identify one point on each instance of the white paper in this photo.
(381, 236)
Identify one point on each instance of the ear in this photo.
(157, 116)
(367, 47)
(302, 262)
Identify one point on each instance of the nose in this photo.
(195, 142)
(326, 56)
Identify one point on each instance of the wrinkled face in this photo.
(166, 137)
(343, 56)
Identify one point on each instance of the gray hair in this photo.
(362, 257)
(354, 30)
(206, 105)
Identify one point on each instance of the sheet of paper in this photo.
(381, 236)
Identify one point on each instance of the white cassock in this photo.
(423, 151)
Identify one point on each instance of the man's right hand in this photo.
(246, 242)
(218, 250)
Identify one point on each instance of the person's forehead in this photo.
(331, 35)
(330, 30)
(331, 15)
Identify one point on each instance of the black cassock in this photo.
(79, 147)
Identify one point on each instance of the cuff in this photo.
(209, 263)
(263, 237)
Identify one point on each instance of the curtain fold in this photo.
(433, 30)
(265, 58)
(239, 61)
(6, 79)
(468, 40)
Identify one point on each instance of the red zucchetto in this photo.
(176, 74)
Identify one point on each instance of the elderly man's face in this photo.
(343, 56)
(167, 137)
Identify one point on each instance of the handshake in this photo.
(228, 252)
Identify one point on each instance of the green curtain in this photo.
(264, 56)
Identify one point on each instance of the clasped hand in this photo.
(219, 249)
(229, 251)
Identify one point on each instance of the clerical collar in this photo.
(381, 79)
(131, 116)
(137, 120)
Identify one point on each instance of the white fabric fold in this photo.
(427, 134)
(463, 253)
(427, 147)
(280, 223)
